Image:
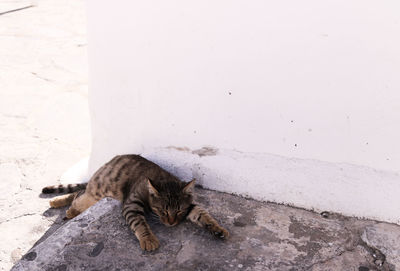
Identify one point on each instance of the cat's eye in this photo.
(160, 211)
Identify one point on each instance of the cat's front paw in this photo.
(149, 243)
(219, 232)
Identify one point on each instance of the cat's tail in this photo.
(70, 188)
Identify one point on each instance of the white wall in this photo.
(311, 80)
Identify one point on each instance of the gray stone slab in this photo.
(264, 236)
(386, 238)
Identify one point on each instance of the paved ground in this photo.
(44, 122)
(44, 128)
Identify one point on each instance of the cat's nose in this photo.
(171, 220)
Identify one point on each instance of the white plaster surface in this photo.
(276, 87)
(311, 184)
(78, 173)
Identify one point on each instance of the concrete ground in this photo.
(44, 119)
(44, 126)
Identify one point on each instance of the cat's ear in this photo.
(152, 190)
(188, 189)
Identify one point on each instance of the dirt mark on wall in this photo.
(204, 151)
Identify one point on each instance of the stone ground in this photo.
(45, 129)
(263, 237)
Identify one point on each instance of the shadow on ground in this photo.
(56, 215)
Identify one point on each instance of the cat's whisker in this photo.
(156, 219)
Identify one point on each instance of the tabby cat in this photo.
(141, 186)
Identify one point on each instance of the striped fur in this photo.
(142, 187)
(70, 188)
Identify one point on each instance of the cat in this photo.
(142, 187)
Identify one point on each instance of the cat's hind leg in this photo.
(202, 218)
(80, 204)
(63, 200)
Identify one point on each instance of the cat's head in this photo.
(171, 200)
